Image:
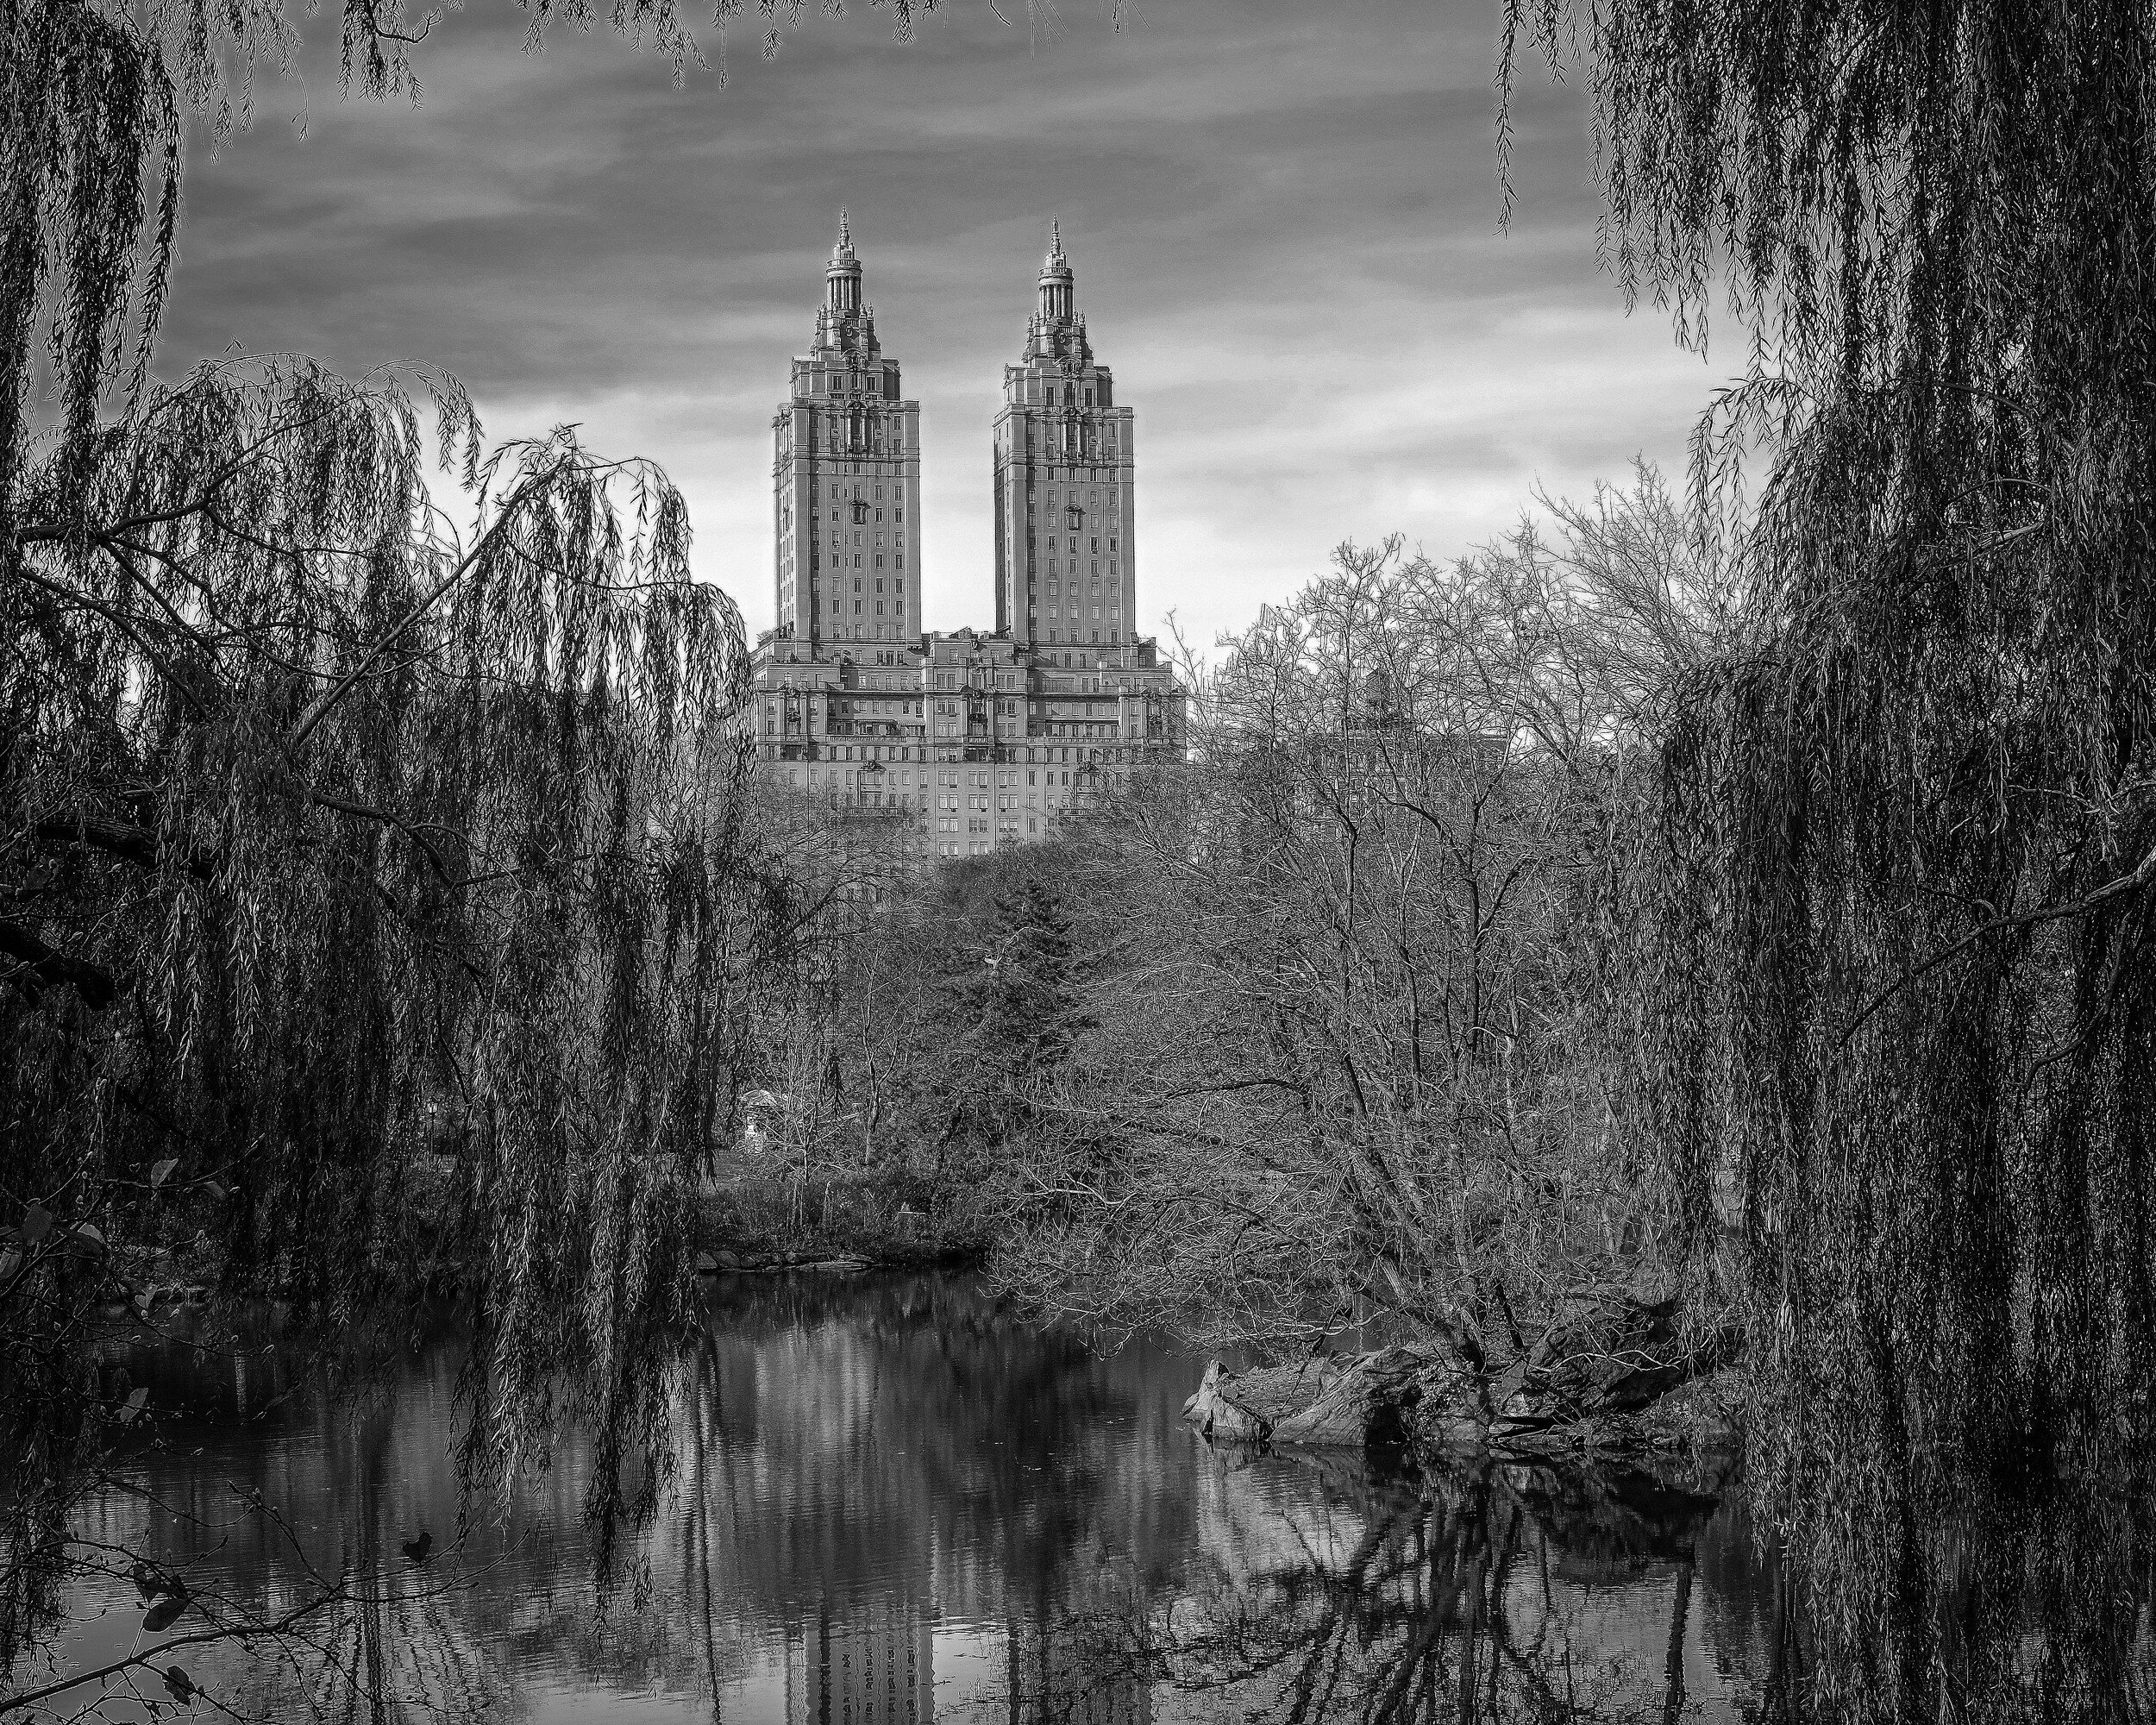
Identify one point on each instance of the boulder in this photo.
(1220, 1418)
(1359, 1403)
(1365, 1407)
(1276, 1393)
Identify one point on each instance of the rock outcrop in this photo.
(1362, 1403)
(1608, 1353)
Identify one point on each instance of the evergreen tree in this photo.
(1011, 1017)
(1028, 1011)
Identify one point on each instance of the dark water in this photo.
(889, 1503)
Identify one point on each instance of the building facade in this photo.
(1065, 563)
(846, 479)
(960, 742)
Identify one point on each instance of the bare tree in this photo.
(1361, 1044)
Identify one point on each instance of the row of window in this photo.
(1057, 572)
(838, 559)
(859, 434)
(1070, 545)
(855, 709)
(1069, 757)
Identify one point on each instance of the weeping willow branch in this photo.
(510, 866)
(1935, 227)
(2139, 878)
(329, 697)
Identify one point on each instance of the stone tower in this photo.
(846, 481)
(1066, 572)
(940, 744)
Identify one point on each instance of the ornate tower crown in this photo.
(842, 276)
(1058, 285)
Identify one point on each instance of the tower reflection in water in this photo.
(913, 1497)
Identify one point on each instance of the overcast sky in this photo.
(1283, 214)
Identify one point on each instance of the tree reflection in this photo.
(1489, 1593)
(884, 1500)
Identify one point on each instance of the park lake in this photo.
(888, 1499)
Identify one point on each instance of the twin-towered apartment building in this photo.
(972, 739)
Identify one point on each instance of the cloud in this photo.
(1284, 216)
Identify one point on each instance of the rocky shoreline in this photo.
(1614, 1374)
(826, 1261)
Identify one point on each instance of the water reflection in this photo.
(886, 1502)
(1490, 1594)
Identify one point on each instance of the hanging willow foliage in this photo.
(1915, 818)
(328, 834)
(93, 95)
(342, 821)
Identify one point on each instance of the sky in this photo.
(1284, 215)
